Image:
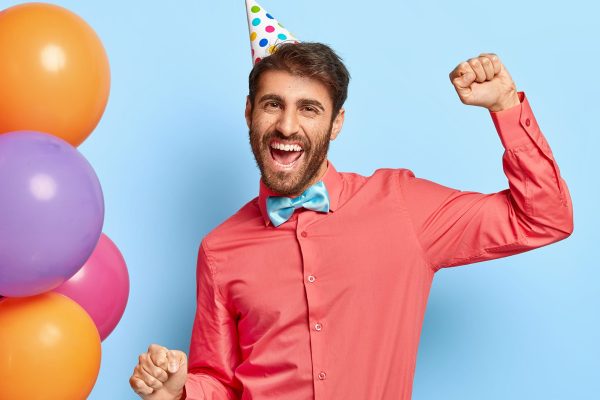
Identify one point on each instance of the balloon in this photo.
(101, 286)
(49, 349)
(54, 72)
(51, 212)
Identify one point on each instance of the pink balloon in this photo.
(101, 286)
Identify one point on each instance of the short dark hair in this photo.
(311, 60)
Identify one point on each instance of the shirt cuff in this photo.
(517, 125)
(191, 390)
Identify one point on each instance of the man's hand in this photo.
(160, 374)
(483, 81)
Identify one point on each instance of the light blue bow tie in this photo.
(315, 198)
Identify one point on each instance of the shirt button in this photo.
(527, 122)
(322, 375)
(318, 326)
(311, 278)
(304, 234)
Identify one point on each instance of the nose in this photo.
(288, 122)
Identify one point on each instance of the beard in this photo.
(288, 183)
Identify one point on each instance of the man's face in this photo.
(290, 129)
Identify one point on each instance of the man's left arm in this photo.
(457, 227)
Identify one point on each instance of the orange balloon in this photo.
(49, 349)
(54, 72)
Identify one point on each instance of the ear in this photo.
(248, 112)
(338, 122)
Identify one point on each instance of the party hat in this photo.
(265, 31)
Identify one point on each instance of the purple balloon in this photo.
(51, 212)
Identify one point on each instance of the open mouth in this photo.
(285, 155)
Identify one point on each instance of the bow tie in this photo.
(315, 198)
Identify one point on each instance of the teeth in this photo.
(286, 147)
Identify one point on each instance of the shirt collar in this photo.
(333, 183)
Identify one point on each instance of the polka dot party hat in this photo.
(265, 32)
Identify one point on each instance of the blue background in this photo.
(173, 144)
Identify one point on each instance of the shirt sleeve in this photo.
(460, 227)
(214, 352)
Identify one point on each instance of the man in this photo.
(317, 288)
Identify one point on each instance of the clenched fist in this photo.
(160, 374)
(483, 81)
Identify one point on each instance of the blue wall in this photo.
(519, 328)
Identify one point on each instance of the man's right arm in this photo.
(164, 374)
(214, 348)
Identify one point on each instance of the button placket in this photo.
(310, 265)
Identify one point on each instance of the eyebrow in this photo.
(271, 96)
(300, 102)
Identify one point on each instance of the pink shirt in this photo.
(330, 306)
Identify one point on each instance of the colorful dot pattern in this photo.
(265, 32)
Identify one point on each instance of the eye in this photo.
(271, 105)
(312, 110)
